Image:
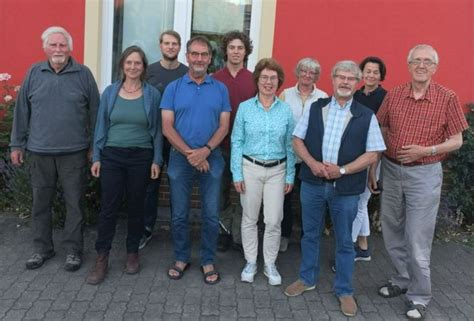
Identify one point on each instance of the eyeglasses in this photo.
(418, 62)
(309, 72)
(263, 79)
(344, 78)
(195, 54)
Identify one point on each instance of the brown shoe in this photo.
(97, 274)
(132, 266)
(297, 288)
(348, 305)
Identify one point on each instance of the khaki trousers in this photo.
(265, 184)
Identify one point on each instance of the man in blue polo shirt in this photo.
(195, 114)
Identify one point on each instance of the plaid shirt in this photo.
(427, 121)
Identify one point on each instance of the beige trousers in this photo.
(265, 184)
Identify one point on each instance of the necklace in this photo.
(131, 91)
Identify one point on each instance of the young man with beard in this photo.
(159, 75)
(237, 47)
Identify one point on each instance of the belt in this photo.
(265, 164)
(394, 161)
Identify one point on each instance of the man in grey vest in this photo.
(53, 122)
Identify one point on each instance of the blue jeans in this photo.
(343, 210)
(181, 177)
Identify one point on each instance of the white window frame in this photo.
(182, 25)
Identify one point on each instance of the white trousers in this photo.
(265, 184)
(361, 224)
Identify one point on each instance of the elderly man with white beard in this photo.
(337, 138)
(53, 124)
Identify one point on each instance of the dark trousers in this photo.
(46, 171)
(288, 213)
(122, 170)
(151, 197)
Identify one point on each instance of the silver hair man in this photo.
(56, 29)
(347, 65)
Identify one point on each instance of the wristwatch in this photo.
(342, 170)
(433, 150)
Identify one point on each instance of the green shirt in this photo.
(129, 124)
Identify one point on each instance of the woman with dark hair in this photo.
(127, 151)
(371, 95)
(263, 166)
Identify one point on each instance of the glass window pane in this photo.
(213, 19)
(140, 22)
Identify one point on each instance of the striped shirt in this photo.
(426, 121)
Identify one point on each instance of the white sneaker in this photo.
(271, 272)
(283, 244)
(248, 273)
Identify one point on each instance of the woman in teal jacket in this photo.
(127, 151)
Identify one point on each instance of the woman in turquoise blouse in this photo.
(263, 166)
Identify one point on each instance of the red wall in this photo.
(332, 30)
(23, 21)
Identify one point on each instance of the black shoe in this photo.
(223, 242)
(37, 260)
(73, 262)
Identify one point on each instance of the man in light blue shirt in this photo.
(337, 139)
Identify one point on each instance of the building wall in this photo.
(332, 30)
(22, 23)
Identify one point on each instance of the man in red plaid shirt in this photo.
(421, 122)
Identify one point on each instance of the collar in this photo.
(257, 102)
(227, 70)
(207, 79)
(374, 92)
(429, 94)
(313, 92)
(71, 66)
(335, 104)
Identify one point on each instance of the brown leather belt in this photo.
(264, 164)
(394, 161)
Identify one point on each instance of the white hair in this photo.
(56, 29)
(423, 46)
(307, 63)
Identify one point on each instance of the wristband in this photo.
(208, 147)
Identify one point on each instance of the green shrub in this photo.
(460, 166)
(16, 193)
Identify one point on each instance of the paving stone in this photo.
(50, 293)
(64, 300)
(38, 310)
(15, 290)
(94, 316)
(58, 315)
(246, 308)
(15, 315)
(100, 301)
(26, 300)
